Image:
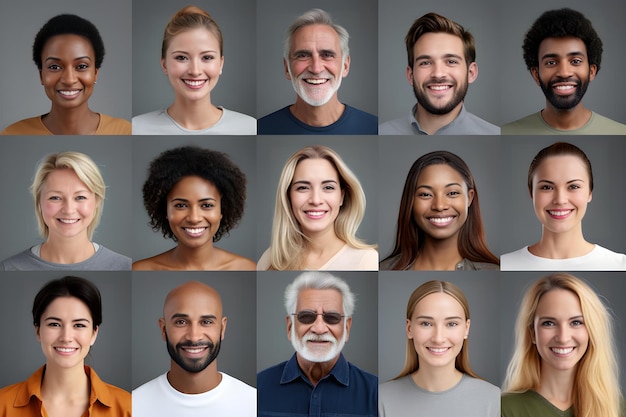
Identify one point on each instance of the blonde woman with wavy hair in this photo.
(319, 207)
(437, 378)
(68, 191)
(565, 361)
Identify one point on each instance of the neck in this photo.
(557, 387)
(77, 121)
(194, 383)
(437, 379)
(565, 245)
(569, 119)
(194, 115)
(438, 254)
(198, 258)
(64, 382)
(67, 250)
(315, 371)
(320, 248)
(318, 116)
(431, 123)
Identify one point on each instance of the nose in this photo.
(439, 203)
(68, 76)
(195, 332)
(438, 334)
(193, 215)
(437, 70)
(66, 334)
(564, 69)
(563, 334)
(194, 66)
(319, 326)
(560, 196)
(315, 197)
(316, 65)
(69, 205)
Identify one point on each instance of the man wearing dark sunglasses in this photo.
(317, 380)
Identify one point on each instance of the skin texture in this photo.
(315, 55)
(440, 77)
(563, 74)
(319, 301)
(560, 196)
(440, 209)
(193, 65)
(69, 67)
(192, 316)
(438, 328)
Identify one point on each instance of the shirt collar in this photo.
(340, 372)
(413, 121)
(32, 388)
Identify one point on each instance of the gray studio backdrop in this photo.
(604, 217)
(480, 18)
(273, 347)
(610, 286)
(238, 292)
(397, 154)
(358, 152)
(358, 17)
(236, 88)
(241, 150)
(110, 355)
(481, 291)
(19, 157)
(20, 22)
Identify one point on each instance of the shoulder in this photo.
(112, 261)
(232, 261)
(29, 126)
(358, 122)
(22, 261)
(399, 126)
(280, 121)
(367, 258)
(479, 266)
(156, 262)
(264, 262)
(604, 125)
(389, 263)
(481, 126)
(237, 384)
(481, 386)
(526, 125)
(154, 122)
(147, 389)
(270, 375)
(113, 126)
(512, 260)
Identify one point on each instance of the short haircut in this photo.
(68, 24)
(188, 18)
(317, 17)
(434, 23)
(559, 24)
(172, 165)
(69, 286)
(558, 149)
(84, 168)
(318, 281)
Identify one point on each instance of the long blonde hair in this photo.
(288, 240)
(411, 361)
(596, 390)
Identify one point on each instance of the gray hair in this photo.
(317, 17)
(318, 281)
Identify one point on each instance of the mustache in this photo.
(572, 80)
(194, 345)
(310, 337)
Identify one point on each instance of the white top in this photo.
(599, 259)
(159, 122)
(231, 398)
(346, 259)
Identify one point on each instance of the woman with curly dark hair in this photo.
(194, 196)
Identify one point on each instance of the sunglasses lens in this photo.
(332, 318)
(308, 317)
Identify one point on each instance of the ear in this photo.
(286, 66)
(343, 194)
(532, 335)
(289, 324)
(472, 72)
(593, 69)
(409, 75)
(221, 64)
(408, 329)
(40, 77)
(346, 67)
(590, 197)
(348, 327)
(37, 334)
(470, 197)
(94, 336)
(163, 67)
(467, 325)
(224, 322)
(534, 71)
(162, 327)
(96, 76)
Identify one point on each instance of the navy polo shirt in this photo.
(284, 390)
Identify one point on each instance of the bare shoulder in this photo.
(154, 263)
(232, 261)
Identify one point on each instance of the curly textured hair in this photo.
(172, 165)
(558, 24)
(68, 24)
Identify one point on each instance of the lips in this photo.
(438, 351)
(195, 84)
(560, 214)
(315, 214)
(195, 231)
(69, 94)
(441, 221)
(562, 350)
(68, 221)
(316, 81)
(65, 350)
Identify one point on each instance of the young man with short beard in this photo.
(563, 52)
(441, 65)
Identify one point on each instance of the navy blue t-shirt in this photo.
(352, 122)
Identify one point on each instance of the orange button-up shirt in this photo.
(24, 398)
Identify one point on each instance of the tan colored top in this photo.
(34, 126)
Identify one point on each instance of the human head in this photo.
(193, 319)
(411, 362)
(558, 149)
(172, 165)
(86, 170)
(352, 210)
(435, 23)
(524, 370)
(562, 23)
(190, 17)
(69, 286)
(65, 24)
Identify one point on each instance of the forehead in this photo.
(567, 165)
(194, 185)
(194, 301)
(315, 166)
(438, 44)
(68, 43)
(67, 306)
(320, 300)
(562, 46)
(315, 37)
(439, 304)
(199, 38)
(62, 176)
(439, 173)
(558, 301)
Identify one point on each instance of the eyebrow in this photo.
(309, 182)
(424, 56)
(554, 318)
(82, 191)
(186, 201)
(568, 182)
(430, 187)
(569, 54)
(309, 52)
(188, 53)
(186, 316)
(73, 321)
(447, 318)
(53, 58)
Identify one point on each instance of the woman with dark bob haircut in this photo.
(67, 314)
(439, 223)
(68, 52)
(194, 196)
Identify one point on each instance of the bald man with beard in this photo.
(193, 328)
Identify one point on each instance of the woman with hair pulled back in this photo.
(192, 58)
(560, 183)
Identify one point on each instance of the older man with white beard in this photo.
(316, 58)
(317, 380)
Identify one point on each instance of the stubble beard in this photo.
(193, 365)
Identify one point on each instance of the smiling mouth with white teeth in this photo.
(194, 83)
(69, 93)
(194, 230)
(68, 221)
(316, 81)
(562, 351)
(438, 350)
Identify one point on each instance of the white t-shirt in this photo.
(160, 123)
(231, 398)
(599, 259)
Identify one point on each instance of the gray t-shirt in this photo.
(471, 397)
(103, 260)
(160, 123)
